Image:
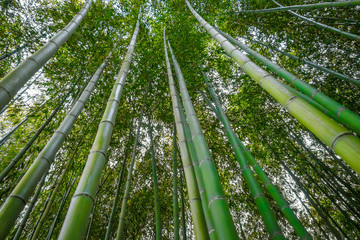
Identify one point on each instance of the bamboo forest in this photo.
(179, 119)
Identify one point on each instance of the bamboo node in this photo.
(84, 194)
(337, 138)
(214, 198)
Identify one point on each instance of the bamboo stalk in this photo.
(76, 220)
(17, 78)
(14, 204)
(307, 6)
(330, 132)
(197, 212)
(218, 207)
(175, 188)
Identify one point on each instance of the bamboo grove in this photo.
(179, 119)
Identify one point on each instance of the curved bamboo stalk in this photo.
(114, 206)
(121, 225)
(14, 204)
(321, 25)
(329, 131)
(17, 78)
(217, 205)
(343, 115)
(307, 6)
(244, 158)
(175, 188)
(155, 182)
(84, 196)
(197, 212)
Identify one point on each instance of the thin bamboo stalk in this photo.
(175, 188)
(156, 187)
(82, 202)
(197, 212)
(121, 226)
(321, 25)
(343, 115)
(329, 131)
(17, 78)
(306, 6)
(183, 220)
(114, 206)
(218, 207)
(14, 204)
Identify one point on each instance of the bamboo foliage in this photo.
(330, 132)
(17, 78)
(340, 113)
(197, 213)
(83, 199)
(242, 154)
(14, 204)
(307, 6)
(218, 207)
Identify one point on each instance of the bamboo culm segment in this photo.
(244, 152)
(343, 115)
(199, 178)
(332, 29)
(306, 6)
(155, 182)
(14, 204)
(218, 207)
(121, 225)
(82, 202)
(329, 131)
(175, 188)
(197, 212)
(17, 78)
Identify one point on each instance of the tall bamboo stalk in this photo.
(329, 131)
(121, 226)
(114, 205)
(244, 158)
(175, 188)
(17, 78)
(343, 115)
(14, 204)
(197, 212)
(183, 220)
(156, 187)
(74, 227)
(321, 25)
(307, 6)
(218, 207)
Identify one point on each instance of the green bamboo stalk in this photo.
(321, 25)
(29, 209)
(175, 188)
(183, 220)
(156, 188)
(329, 131)
(306, 6)
(199, 178)
(17, 78)
(197, 212)
(343, 115)
(314, 65)
(218, 207)
(76, 220)
(244, 157)
(114, 206)
(121, 226)
(8, 135)
(14, 204)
